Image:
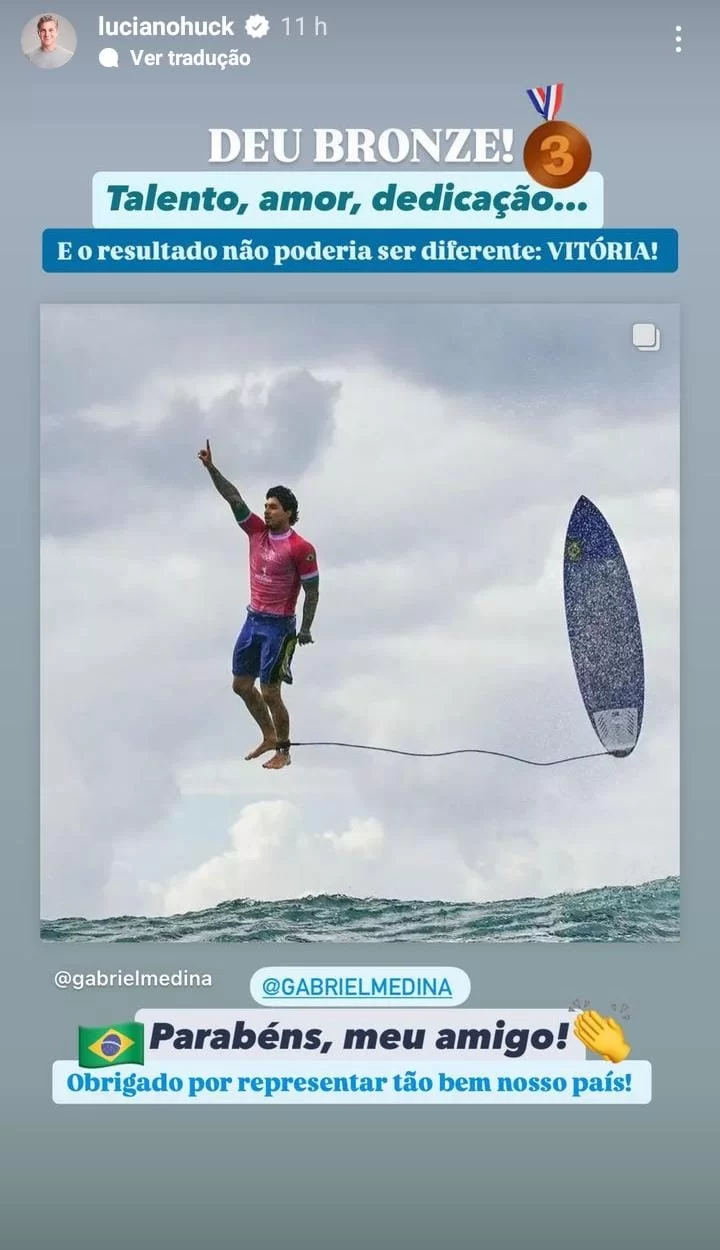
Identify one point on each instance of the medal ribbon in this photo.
(547, 100)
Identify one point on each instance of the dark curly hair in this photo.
(286, 499)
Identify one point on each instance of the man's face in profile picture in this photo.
(48, 33)
(52, 48)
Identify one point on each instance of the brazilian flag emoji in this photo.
(115, 1044)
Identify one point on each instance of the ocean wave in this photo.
(639, 913)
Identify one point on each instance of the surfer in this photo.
(280, 563)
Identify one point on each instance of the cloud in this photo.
(364, 837)
(271, 856)
(104, 465)
(534, 358)
(277, 850)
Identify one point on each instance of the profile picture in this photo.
(49, 41)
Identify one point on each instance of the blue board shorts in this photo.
(265, 648)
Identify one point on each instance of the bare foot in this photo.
(267, 744)
(281, 759)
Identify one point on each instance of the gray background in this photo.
(330, 1176)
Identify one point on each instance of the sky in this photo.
(437, 452)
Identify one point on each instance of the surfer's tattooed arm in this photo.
(312, 594)
(229, 492)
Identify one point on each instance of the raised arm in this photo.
(224, 488)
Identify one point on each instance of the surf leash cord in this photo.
(356, 746)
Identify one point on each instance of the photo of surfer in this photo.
(429, 559)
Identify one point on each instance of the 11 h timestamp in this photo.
(313, 26)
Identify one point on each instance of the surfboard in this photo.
(603, 629)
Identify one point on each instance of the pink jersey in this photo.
(279, 564)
